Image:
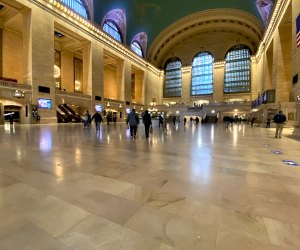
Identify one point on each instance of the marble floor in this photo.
(204, 188)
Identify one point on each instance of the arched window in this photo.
(135, 46)
(202, 74)
(237, 70)
(112, 29)
(172, 86)
(78, 6)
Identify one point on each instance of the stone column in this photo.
(126, 90)
(186, 84)
(256, 81)
(87, 71)
(96, 84)
(282, 63)
(219, 76)
(39, 58)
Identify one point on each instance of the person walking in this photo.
(132, 122)
(226, 120)
(38, 118)
(184, 121)
(197, 121)
(174, 120)
(98, 119)
(147, 122)
(86, 119)
(11, 120)
(268, 123)
(279, 119)
(160, 121)
(252, 121)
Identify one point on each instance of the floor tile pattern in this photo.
(195, 187)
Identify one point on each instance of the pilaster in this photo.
(39, 58)
(219, 72)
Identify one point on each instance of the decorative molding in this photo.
(278, 13)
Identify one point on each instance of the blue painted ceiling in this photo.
(152, 16)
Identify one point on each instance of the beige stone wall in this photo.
(12, 55)
(267, 70)
(256, 78)
(40, 39)
(186, 84)
(219, 75)
(110, 82)
(67, 71)
(139, 86)
(281, 65)
(95, 83)
(153, 88)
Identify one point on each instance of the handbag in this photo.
(150, 130)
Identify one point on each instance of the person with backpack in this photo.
(279, 119)
(132, 122)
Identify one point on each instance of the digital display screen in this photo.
(44, 103)
(98, 108)
(128, 110)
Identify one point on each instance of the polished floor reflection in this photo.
(206, 187)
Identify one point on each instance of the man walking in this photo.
(133, 120)
(279, 119)
(147, 122)
(98, 119)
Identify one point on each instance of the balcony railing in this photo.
(73, 94)
(14, 85)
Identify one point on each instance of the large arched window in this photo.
(112, 29)
(136, 47)
(202, 74)
(78, 6)
(173, 80)
(237, 70)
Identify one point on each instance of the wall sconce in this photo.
(108, 104)
(153, 102)
(56, 71)
(120, 105)
(77, 85)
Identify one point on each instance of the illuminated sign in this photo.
(44, 103)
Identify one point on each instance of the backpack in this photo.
(279, 118)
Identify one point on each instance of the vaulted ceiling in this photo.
(152, 16)
(175, 25)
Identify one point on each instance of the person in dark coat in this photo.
(174, 120)
(268, 123)
(11, 120)
(98, 119)
(280, 120)
(184, 121)
(160, 121)
(147, 122)
(132, 122)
